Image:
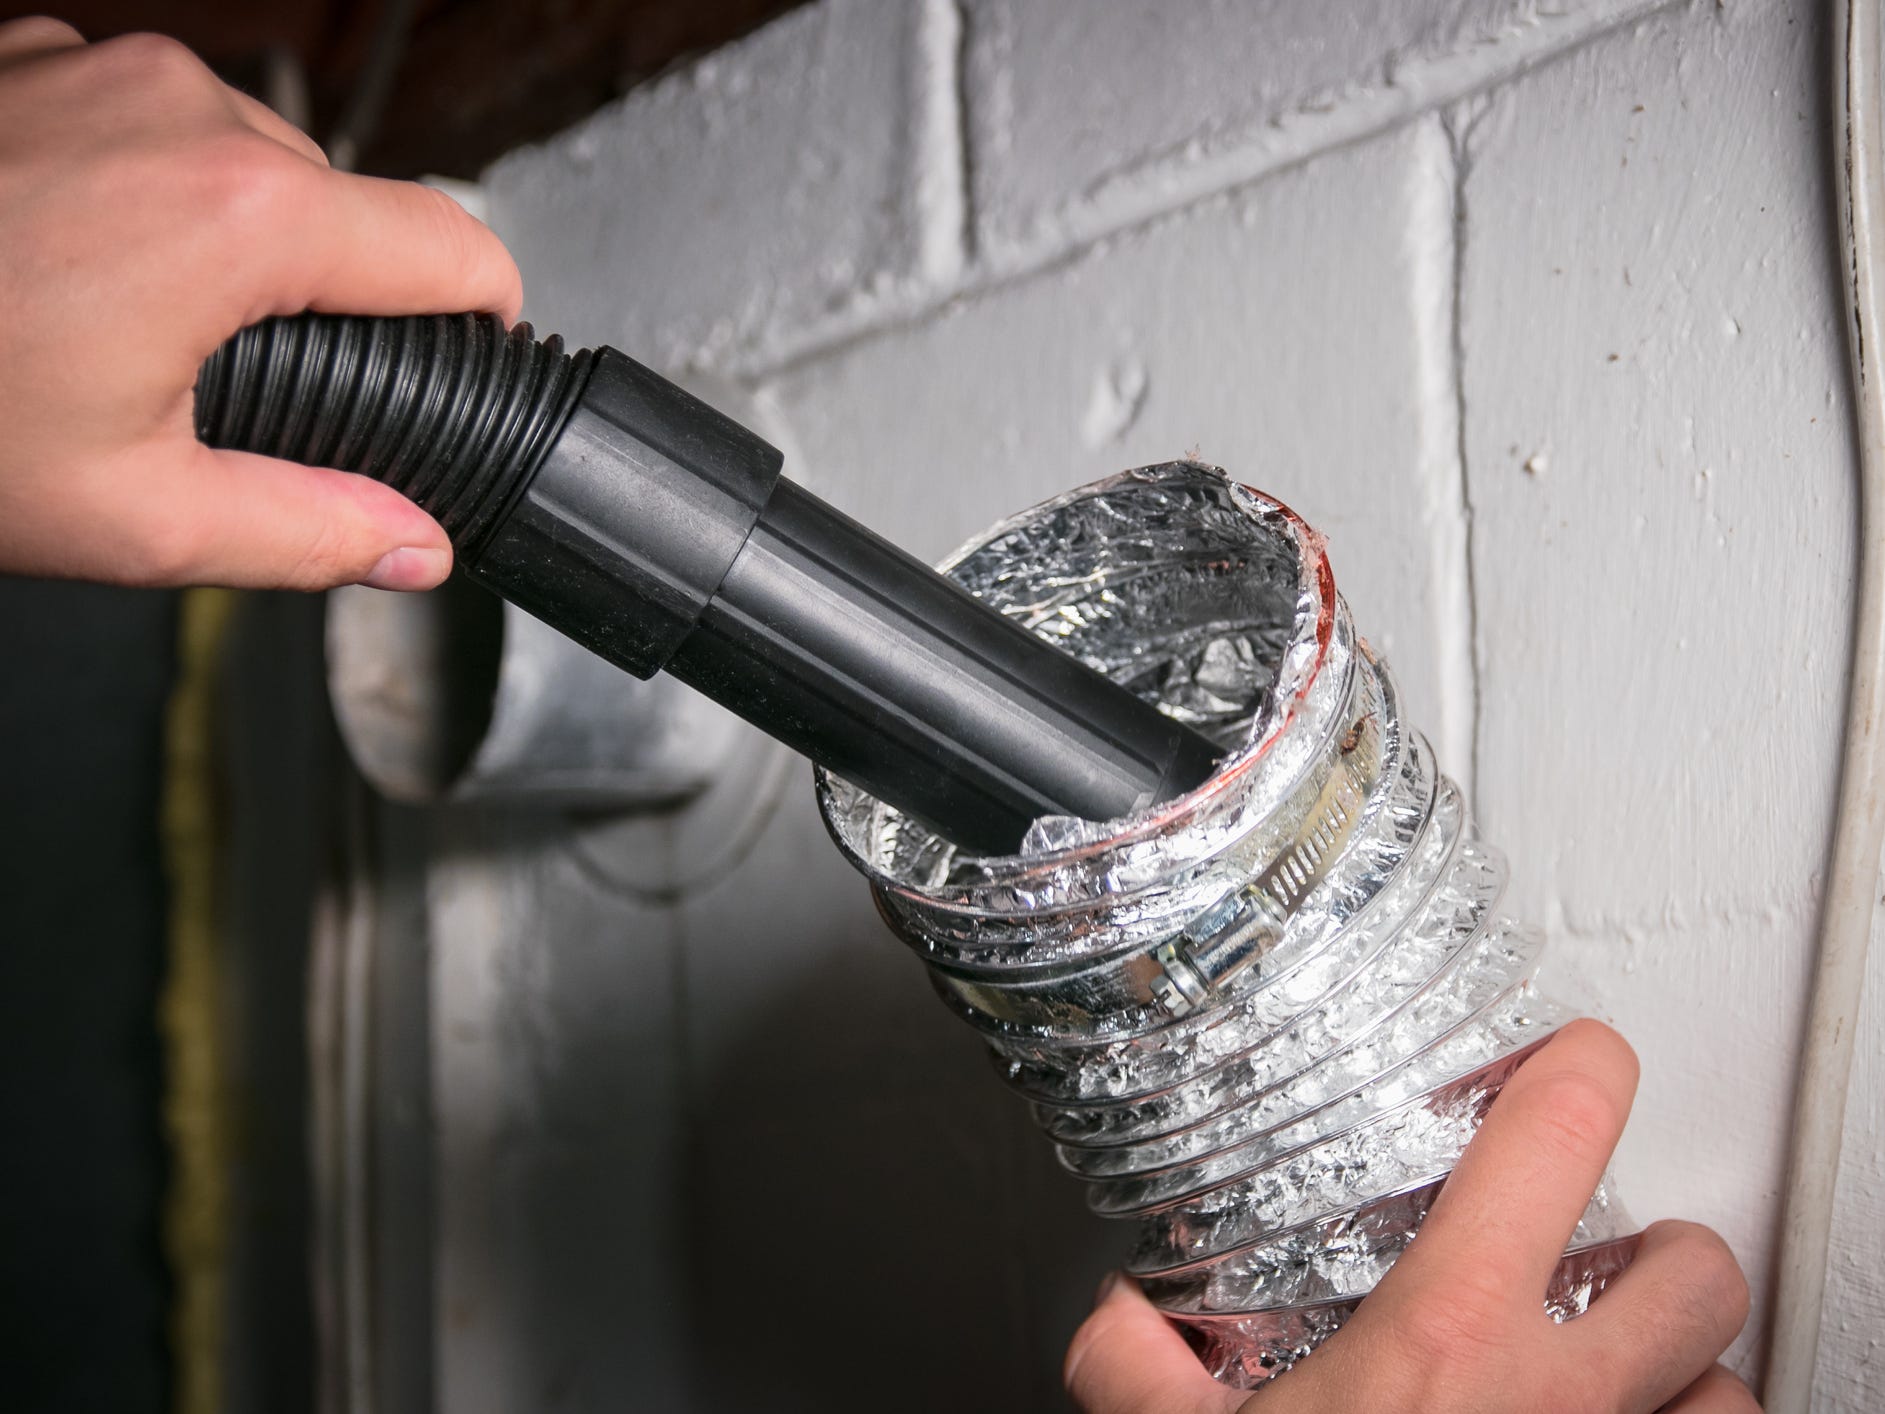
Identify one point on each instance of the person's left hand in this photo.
(1459, 1322)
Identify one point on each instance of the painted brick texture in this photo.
(1532, 312)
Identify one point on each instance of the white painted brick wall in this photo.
(767, 188)
(1085, 120)
(1532, 310)
(1662, 602)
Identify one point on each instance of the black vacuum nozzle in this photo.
(658, 532)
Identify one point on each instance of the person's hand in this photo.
(147, 212)
(1459, 1323)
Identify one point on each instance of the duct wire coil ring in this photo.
(1261, 1020)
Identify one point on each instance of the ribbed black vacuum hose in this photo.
(612, 505)
(452, 411)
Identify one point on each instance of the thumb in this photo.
(1127, 1359)
(252, 522)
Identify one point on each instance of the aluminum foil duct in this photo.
(1262, 1020)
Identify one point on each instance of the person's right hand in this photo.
(148, 212)
(1459, 1323)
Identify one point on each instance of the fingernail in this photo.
(409, 567)
(1107, 1283)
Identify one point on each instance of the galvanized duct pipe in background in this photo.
(456, 696)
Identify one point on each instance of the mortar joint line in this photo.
(1026, 262)
(965, 133)
(938, 156)
(1459, 149)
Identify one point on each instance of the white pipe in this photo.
(1851, 885)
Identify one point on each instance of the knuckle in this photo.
(447, 223)
(248, 181)
(155, 60)
(330, 557)
(463, 242)
(343, 543)
(1713, 1290)
(35, 31)
(1577, 1116)
(311, 149)
(1694, 1304)
(1725, 1278)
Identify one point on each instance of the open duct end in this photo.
(1174, 581)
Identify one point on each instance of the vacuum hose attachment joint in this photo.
(657, 532)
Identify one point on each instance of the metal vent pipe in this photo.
(1262, 1020)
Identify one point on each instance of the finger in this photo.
(35, 35)
(270, 124)
(1127, 1359)
(1501, 1221)
(1719, 1391)
(1665, 1319)
(384, 247)
(250, 522)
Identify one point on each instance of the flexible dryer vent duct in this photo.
(1261, 1020)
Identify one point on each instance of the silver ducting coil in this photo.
(1261, 1021)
